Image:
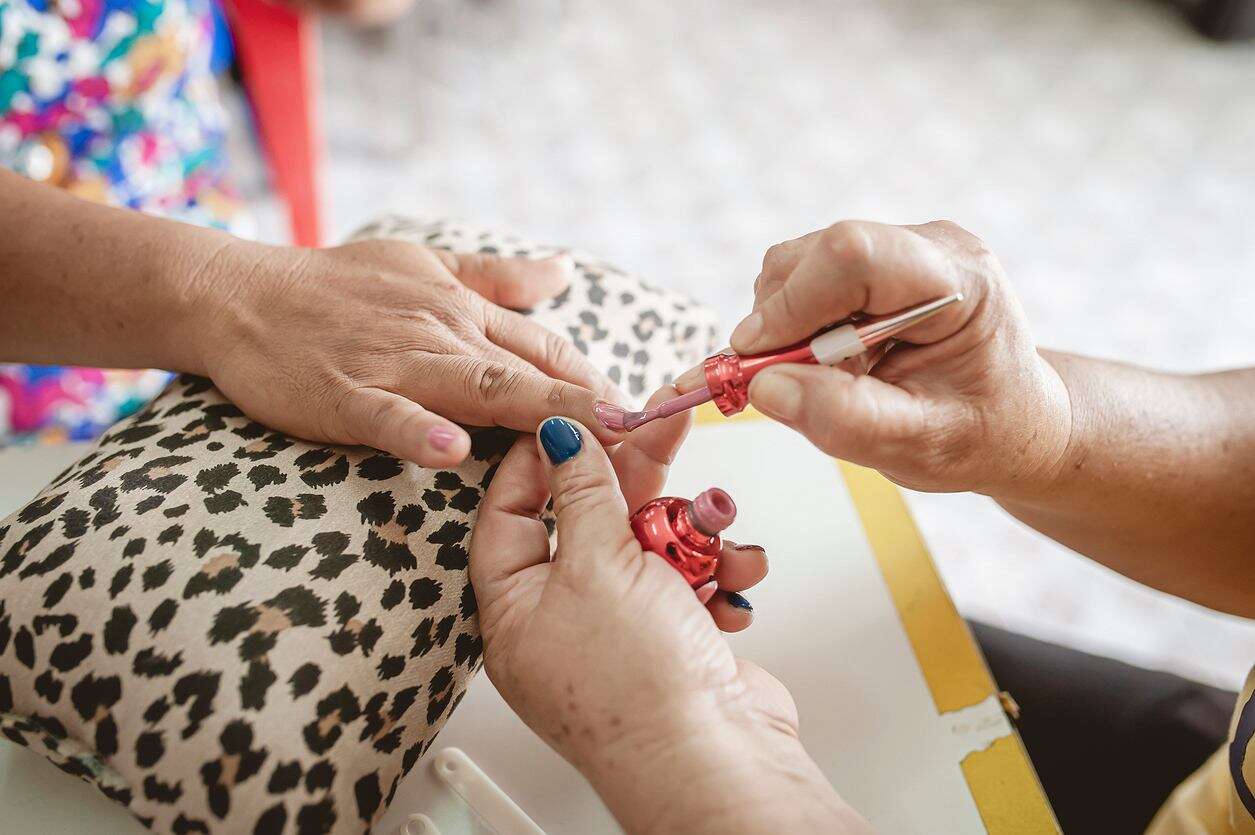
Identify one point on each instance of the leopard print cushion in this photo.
(231, 630)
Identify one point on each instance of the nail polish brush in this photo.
(728, 375)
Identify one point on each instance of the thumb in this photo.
(853, 266)
(858, 418)
(387, 421)
(592, 515)
(517, 283)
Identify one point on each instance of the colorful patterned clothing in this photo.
(116, 101)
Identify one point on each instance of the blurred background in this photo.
(1105, 150)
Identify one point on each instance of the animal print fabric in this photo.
(231, 630)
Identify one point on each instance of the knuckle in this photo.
(440, 318)
(848, 244)
(559, 353)
(385, 413)
(390, 251)
(580, 489)
(554, 350)
(946, 226)
(775, 255)
(556, 396)
(984, 262)
(491, 380)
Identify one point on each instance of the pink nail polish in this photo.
(706, 592)
(441, 437)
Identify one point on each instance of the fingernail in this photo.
(690, 379)
(749, 330)
(704, 593)
(609, 415)
(560, 439)
(739, 601)
(441, 437)
(749, 548)
(777, 394)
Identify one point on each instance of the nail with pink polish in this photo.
(441, 437)
(706, 592)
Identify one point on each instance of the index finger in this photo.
(546, 350)
(482, 392)
(779, 261)
(852, 266)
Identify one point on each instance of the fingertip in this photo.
(695, 377)
(730, 611)
(444, 445)
(558, 271)
(748, 334)
(605, 434)
(544, 278)
(563, 263)
(741, 566)
(692, 379)
(560, 438)
(777, 393)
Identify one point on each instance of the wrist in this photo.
(1054, 444)
(696, 774)
(222, 279)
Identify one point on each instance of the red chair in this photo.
(277, 48)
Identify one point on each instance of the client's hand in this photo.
(388, 344)
(965, 402)
(607, 654)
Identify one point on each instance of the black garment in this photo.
(1109, 741)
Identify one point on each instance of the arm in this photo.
(1148, 473)
(1158, 480)
(377, 342)
(84, 284)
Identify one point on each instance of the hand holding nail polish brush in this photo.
(728, 375)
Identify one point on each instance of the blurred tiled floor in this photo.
(1106, 153)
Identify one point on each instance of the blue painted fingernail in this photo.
(560, 439)
(739, 601)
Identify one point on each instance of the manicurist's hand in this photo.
(607, 654)
(391, 345)
(964, 402)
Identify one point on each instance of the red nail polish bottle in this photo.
(686, 533)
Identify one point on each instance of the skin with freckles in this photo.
(381, 342)
(604, 651)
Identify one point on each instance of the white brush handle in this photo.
(837, 344)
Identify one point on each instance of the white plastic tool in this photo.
(463, 800)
